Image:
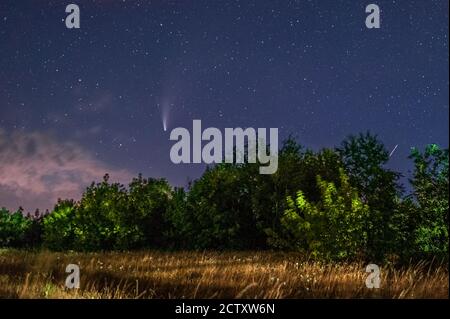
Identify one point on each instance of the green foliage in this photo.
(219, 210)
(297, 170)
(108, 216)
(431, 187)
(180, 224)
(59, 226)
(334, 204)
(146, 214)
(14, 228)
(332, 228)
(99, 218)
(364, 158)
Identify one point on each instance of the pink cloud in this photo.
(36, 170)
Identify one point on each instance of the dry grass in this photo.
(151, 274)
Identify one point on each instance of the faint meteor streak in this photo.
(392, 152)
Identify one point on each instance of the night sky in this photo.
(77, 103)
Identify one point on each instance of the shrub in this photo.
(332, 228)
(431, 187)
(14, 228)
(58, 227)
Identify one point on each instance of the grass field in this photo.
(151, 274)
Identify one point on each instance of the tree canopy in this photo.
(333, 203)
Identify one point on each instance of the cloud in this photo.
(36, 169)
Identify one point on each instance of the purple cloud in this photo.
(36, 170)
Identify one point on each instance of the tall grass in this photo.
(152, 274)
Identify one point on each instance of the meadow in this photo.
(209, 274)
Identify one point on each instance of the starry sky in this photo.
(77, 103)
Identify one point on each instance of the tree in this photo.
(100, 219)
(298, 170)
(180, 229)
(148, 203)
(332, 228)
(431, 186)
(35, 232)
(59, 226)
(14, 228)
(219, 208)
(364, 158)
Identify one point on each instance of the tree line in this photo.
(336, 204)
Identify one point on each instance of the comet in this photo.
(165, 114)
(392, 152)
(164, 122)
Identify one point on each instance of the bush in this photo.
(59, 226)
(148, 202)
(431, 187)
(332, 228)
(218, 210)
(108, 216)
(100, 219)
(14, 228)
